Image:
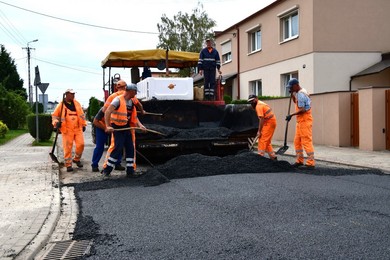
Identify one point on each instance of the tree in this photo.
(13, 109)
(186, 32)
(9, 76)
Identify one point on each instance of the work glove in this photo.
(288, 118)
(58, 125)
(84, 128)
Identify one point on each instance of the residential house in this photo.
(329, 45)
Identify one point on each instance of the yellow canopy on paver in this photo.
(156, 58)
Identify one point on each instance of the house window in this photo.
(254, 40)
(284, 80)
(289, 25)
(255, 87)
(226, 51)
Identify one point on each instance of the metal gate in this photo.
(387, 120)
(355, 119)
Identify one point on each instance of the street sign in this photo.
(37, 79)
(43, 87)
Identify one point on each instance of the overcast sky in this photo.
(69, 54)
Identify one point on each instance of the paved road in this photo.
(246, 216)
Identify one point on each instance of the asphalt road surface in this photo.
(295, 215)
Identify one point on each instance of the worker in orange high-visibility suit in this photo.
(121, 87)
(303, 135)
(71, 123)
(267, 125)
(134, 122)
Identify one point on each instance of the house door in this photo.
(355, 119)
(387, 120)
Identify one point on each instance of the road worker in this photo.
(303, 134)
(267, 125)
(120, 89)
(117, 117)
(71, 123)
(209, 60)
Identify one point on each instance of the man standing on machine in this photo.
(209, 60)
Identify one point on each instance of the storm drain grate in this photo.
(70, 249)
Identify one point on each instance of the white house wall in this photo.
(333, 71)
(318, 72)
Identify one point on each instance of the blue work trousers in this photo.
(100, 139)
(122, 139)
(209, 84)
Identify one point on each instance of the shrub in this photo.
(45, 127)
(13, 109)
(3, 129)
(93, 108)
(227, 99)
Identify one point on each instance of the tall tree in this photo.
(9, 76)
(186, 32)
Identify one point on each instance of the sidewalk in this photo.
(30, 191)
(29, 198)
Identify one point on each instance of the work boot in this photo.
(274, 158)
(95, 169)
(78, 163)
(69, 169)
(119, 167)
(130, 173)
(105, 174)
(297, 164)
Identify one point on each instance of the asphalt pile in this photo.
(198, 165)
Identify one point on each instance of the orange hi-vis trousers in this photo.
(264, 144)
(72, 136)
(304, 138)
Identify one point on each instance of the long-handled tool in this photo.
(284, 148)
(139, 128)
(253, 143)
(150, 113)
(52, 155)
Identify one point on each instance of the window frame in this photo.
(288, 16)
(256, 87)
(284, 78)
(226, 56)
(254, 45)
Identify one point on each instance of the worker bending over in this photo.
(267, 125)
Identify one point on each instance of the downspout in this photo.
(238, 62)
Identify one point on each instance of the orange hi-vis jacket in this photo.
(111, 97)
(123, 117)
(70, 120)
(263, 110)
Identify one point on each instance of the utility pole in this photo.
(30, 92)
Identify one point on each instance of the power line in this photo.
(67, 67)
(17, 36)
(81, 23)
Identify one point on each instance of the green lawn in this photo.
(12, 134)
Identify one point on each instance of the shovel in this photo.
(284, 148)
(52, 155)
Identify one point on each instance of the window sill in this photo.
(253, 52)
(289, 39)
(226, 62)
